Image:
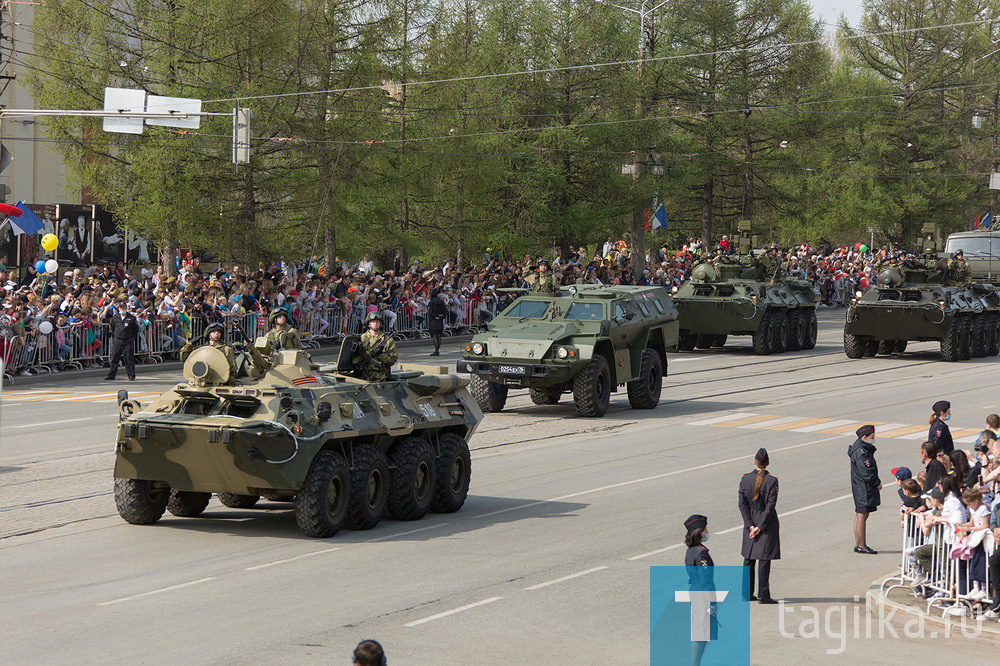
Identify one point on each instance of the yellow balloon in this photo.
(50, 242)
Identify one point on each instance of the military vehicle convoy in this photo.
(342, 450)
(920, 300)
(585, 339)
(743, 294)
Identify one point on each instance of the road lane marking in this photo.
(419, 529)
(747, 421)
(453, 611)
(966, 435)
(798, 424)
(46, 423)
(565, 578)
(740, 527)
(849, 427)
(162, 589)
(722, 419)
(291, 559)
(773, 422)
(819, 426)
(902, 432)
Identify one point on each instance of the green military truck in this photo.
(981, 250)
(587, 340)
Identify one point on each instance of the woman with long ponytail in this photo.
(758, 499)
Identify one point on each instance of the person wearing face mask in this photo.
(758, 499)
(939, 435)
(865, 485)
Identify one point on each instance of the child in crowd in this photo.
(975, 529)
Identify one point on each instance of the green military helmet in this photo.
(215, 326)
(275, 313)
(371, 316)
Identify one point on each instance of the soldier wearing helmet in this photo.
(958, 270)
(376, 352)
(282, 335)
(542, 281)
(214, 338)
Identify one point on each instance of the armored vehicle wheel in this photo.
(369, 488)
(979, 337)
(140, 502)
(644, 392)
(993, 335)
(234, 501)
(686, 342)
(763, 337)
(951, 343)
(704, 341)
(812, 329)
(780, 332)
(966, 346)
(886, 347)
(278, 495)
(900, 347)
(185, 505)
(592, 388)
(871, 347)
(719, 340)
(796, 330)
(454, 471)
(854, 345)
(545, 395)
(411, 478)
(490, 396)
(321, 504)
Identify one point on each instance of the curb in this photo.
(873, 597)
(91, 373)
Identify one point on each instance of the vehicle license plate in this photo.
(511, 369)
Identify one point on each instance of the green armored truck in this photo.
(341, 449)
(585, 339)
(746, 294)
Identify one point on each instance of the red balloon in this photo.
(7, 209)
(857, 246)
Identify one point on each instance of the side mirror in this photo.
(629, 315)
(122, 396)
(323, 411)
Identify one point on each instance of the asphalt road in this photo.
(549, 560)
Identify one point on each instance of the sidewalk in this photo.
(908, 607)
(176, 366)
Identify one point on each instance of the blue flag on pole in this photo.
(987, 220)
(660, 218)
(27, 223)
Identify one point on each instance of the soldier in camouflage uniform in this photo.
(213, 333)
(958, 270)
(769, 265)
(377, 368)
(281, 336)
(543, 281)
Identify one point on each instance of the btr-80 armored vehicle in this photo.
(923, 299)
(743, 294)
(344, 450)
(585, 339)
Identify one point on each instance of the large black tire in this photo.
(234, 501)
(686, 342)
(321, 504)
(871, 347)
(812, 329)
(796, 330)
(140, 502)
(453, 474)
(592, 388)
(979, 336)
(369, 488)
(780, 333)
(185, 504)
(704, 341)
(951, 343)
(886, 347)
(763, 337)
(900, 347)
(644, 392)
(966, 348)
(411, 478)
(855, 345)
(719, 340)
(993, 335)
(545, 395)
(490, 396)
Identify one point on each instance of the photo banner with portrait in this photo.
(76, 234)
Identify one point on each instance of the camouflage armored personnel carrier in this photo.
(918, 300)
(586, 340)
(342, 449)
(741, 294)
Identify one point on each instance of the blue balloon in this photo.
(40, 266)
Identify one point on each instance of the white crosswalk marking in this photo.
(824, 426)
(915, 435)
(723, 419)
(772, 422)
(889, 427)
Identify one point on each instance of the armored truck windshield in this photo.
(586, 311)
(527, 309)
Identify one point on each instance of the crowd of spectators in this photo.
(85, 297)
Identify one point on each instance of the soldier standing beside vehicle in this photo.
(376, 352)
(281, 336)
(865, 485)
(213, 333)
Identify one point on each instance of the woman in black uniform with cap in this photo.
(939, 434)
(758, 499)
(701, 579)
(865, 485)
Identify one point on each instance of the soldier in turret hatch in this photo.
(958, 269)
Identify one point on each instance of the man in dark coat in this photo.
(758, 499)
(124, 329)
(865, 485)
(437, 311)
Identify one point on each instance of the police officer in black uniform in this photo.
(758, 499)
(939, 434)
(865, 485)
(124, 329)
(701, 579)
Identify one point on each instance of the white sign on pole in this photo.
(995, 181)
(157, 104)
(124, 101)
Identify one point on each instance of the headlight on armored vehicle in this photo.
(673, 289)
(478, 348)
(941, 303)
(562, 352)
(858, 293)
